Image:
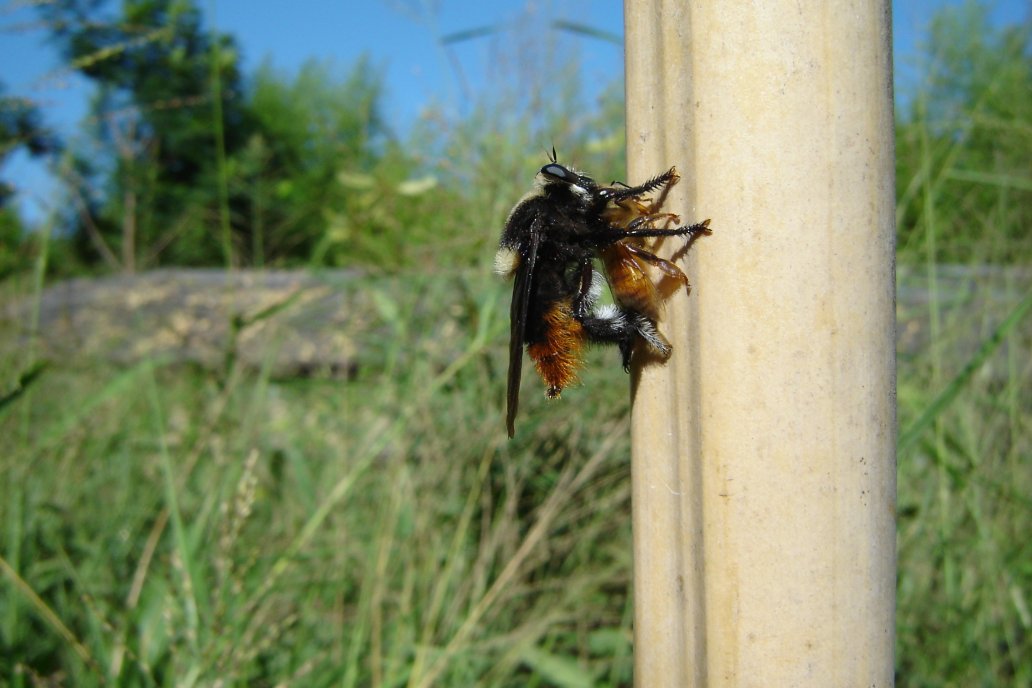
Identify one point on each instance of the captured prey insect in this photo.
(625, 261)
(551, 239)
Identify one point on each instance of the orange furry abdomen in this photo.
(631, 287)
(557, 356)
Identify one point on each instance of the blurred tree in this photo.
(147, 190)
(308, 129)
(963, 140)
(330, 184)
(307, 171)
(21, 127)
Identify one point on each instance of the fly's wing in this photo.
(521, 292)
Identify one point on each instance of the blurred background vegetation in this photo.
(186, 161)
(179, 524)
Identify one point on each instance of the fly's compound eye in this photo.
(558, 171)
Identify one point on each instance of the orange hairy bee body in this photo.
(626, 261)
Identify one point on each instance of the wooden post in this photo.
(764, 450)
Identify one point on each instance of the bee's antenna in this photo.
(553, 157)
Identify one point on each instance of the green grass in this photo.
(161, 523)
(965, 396)
(165, 525)
(965, 492)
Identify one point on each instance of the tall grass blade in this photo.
(587, 31)
(913, 433)
(468, 34)
(25, 380)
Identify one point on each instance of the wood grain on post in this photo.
(764, 451)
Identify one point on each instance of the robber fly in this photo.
(549, 244)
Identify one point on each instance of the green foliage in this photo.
(15, 248)
(965, 411)
(328, 183)
(308, 172)
(161, 526)
(21, 126)
(165, 525)
(965, 197)
(963, 142)
(145, 191)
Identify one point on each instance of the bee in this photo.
(625, 261)
(550, 242)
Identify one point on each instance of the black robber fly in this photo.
(551, 239)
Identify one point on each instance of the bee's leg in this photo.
(665, 266)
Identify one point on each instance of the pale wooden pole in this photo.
(764, 451)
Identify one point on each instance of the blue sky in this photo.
(399, 35)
